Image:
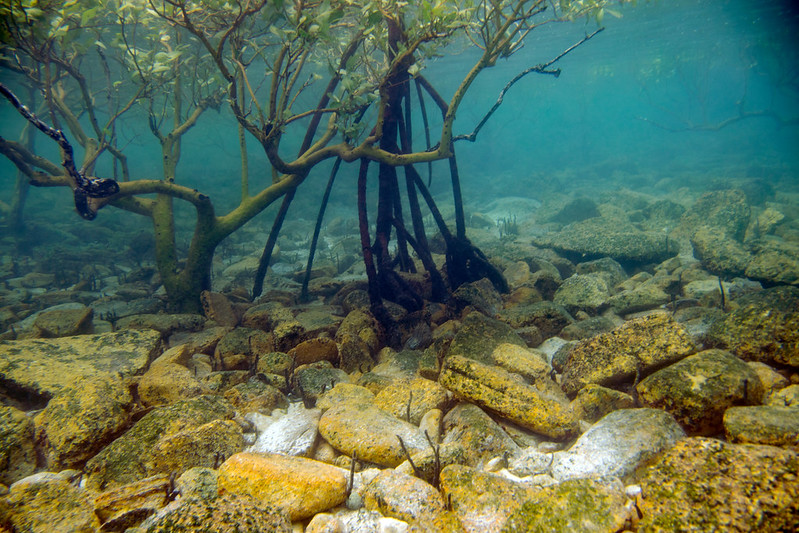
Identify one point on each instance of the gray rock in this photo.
(719, 252)
(583, 292)
(479, 335)
(618, 444)
(727, 211)
(481, 437)
(763, 424)
(776, 261)
(549, 317)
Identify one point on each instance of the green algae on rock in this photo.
(763, 424)
(575, 505)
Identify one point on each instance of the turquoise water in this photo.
(673, 94)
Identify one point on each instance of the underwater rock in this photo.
(542, 411)
(683, 490)
(483, 502)
(529, 364)
(479, 335)
(290, 433)
(167, 383)
(771, 380)
(206, 446)
(129, 504)
(373, 434)
(237, 349)
(125, 460)
(698, 389)
(719, 253)
(789, 396)
(549, 317)
(763, 327)
(762, 424)
(639, 345)
(48, 503)
(218, 308)
(226, 513)
(727, 211)
(311, 381)
(40, 368)
(82, 418)
(404, 497)
(315, 350)
(17, 453)
(618, 444)
(573, 210)
(575, 505)
(583, 292)
(594, 401)
(611, 271)
(643, 297)
(776, 261)
(606, 237)
(166, 324)
(255, 395)
(589, 327)
(481, 295)
(63, 323)
(480, 437)
(319, 321)
(411, 399)
(300, 487)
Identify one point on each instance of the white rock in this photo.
(292, 433)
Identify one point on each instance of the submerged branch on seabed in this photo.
(540, 69)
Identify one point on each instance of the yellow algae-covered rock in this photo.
(302, 487)
(475, 435)
(683, 490)
(404, 497)
(313, 350)
(125, 459)
(698, 389)
(495, 389)
(576, 505)
(167, 383)
(529, 364)
(482, 501)
(82, 418)
(17, 453)
(412, 398)
(63, 322)
(636, 346)
(206, 445)
(763, 424)
(371, 433)
(44, 366)
(594, 401)
(345, 393)
(45, 503)
(134, 501)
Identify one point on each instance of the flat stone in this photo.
(683, 490)
(639, 345)
(575, 505)
(218, 308)
(166, 324)
(719, 252)
(762, 424)
(301, 487)
(549, 317)
(618, 444)
(776, 261)
(495, 389)
(63, 323)
(43, 367)
(82, 418)
(370, 433)
(698, 389)
(583, 292)
(167, 383)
